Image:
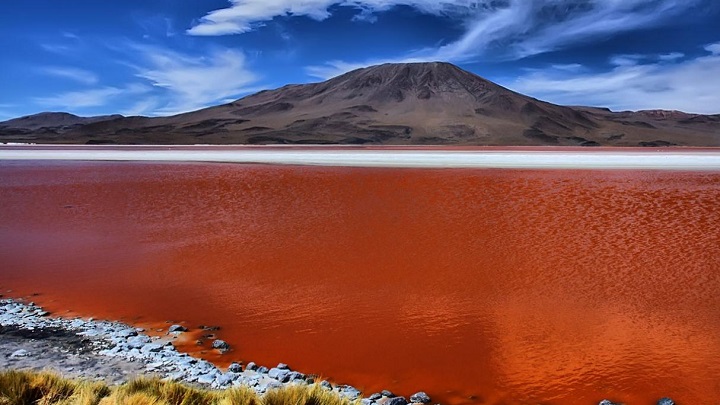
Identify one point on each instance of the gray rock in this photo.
(396, 401)
(251, 366)
(126, 333)
(235, 367)
(20, 353)
(326, 384)
(420, 398)
(136, 342)
(387, 393)
(278, 374)
(665, 401)
(177, 328)
(607, 402)
(262, 370)
(350, 393)
(221, 345)
(366, 401)
(283, 366)
(375, 396)
(151, 348)
(206, 378)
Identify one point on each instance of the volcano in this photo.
(392, 104)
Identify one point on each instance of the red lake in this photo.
(477, 286)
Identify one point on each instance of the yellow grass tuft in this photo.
(44, 388)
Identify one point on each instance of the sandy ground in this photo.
(670, 159)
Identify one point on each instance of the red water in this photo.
(478, 286)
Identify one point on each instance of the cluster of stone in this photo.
(161, 358)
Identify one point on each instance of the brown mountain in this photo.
(419, 103)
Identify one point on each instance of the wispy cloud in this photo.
(191, 82)
(97, 97)
(511, 29)
(692, 85)
(515, 29)
(78, 75)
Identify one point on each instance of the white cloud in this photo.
(193, 82)
(672, 56)
(626, 60)
(512, 28)
(692, 86)
(713, 48)
(78, 75)
(74, 100)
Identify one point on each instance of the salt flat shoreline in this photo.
(624, 159)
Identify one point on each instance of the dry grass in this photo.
(30, 388)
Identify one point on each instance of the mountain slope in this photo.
(420, 103)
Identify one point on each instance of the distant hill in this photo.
(392, 104)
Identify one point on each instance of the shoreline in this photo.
(113, 352)
(605, 159)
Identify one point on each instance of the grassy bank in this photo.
(23, 387)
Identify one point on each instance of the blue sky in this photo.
(160, 57)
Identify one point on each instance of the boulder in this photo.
(235, 367)
(283, 366)
(665, 401)
(607, 402)
(177, 328)
(387, 393)
(251, 366)
(262, 370)
(375, 396)
(326, 385)
(420, 398)
(350, 393)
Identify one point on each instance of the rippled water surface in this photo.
(479, 286)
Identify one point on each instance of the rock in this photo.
(665, 401)
(278, 374)
(283, 366)
(151, 348)
(366, 401)
(350, 393)
(375, 396)
(607, 402)
(126, 333)
(221, 345)
(206, 378)
(262, 370)
(136, 342)
(387, 393)
(251, 366)
(326, 384)
(209, 328)
(235, 367)
(420, 397)
(396, 401)
(177, 328)
(20, 353)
